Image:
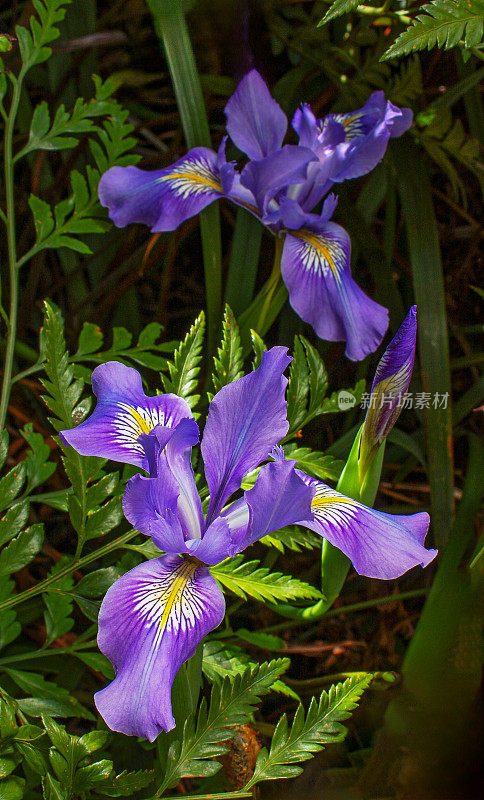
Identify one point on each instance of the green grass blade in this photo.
(244, 259)
(424, 253)
(249, 319)
(171, 29)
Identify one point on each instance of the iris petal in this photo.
(255, 122)
(315, 267)
(123, 412)
(280, 497)
(379, 545)
(246, 419)
(150, 623)
(167, 506)
(267, 176)
(164, 198)
(367, 132)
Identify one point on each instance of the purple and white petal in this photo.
(279, 497)
(167, 506)
(255, 122)
(367, 132)
(150, 623)
(215, 545)
(150, 505)
(164, 198)
(266, 177)
(123, 412)
(392, 379)
(379, 545)
(316, 269)
(246, 419)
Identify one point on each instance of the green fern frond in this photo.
(228, 364)
(248, 579)
(338, 8)
(308, 735)
(445, 23)
(231, 703)
(184, 369)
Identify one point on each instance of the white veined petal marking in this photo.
(131, 422)
(193, 177)
(332, 508)
(352, 123)
(320, 255)
(168, 603)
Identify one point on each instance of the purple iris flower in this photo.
(387, 396)
(281, 185)
(154, 616)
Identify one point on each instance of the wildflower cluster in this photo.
(153, 617)
(281, 185)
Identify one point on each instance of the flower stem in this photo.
(12, 248)
(72, 567)
(272, 284)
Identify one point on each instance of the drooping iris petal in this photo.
(123, 412)
(150, 623)
(266, 177)
(245, 420)
(315, 266)
(255, 122)
(379, 545)
(367, 132)
(280, 497)
(163, 198)
(167, 506)
(390, 384)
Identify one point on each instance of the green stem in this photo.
(51, 651)
(75, 565)
(272, 284)
(12, 248)
(361, 606)
(219, 796)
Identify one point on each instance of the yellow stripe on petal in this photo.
(333, 508)
(183, 574)
(193, 177)
(132, 422)
(320, 502)
(351, 123)
(320, 254)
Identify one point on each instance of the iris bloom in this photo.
(391, 381)
(281, 185)
(154, 616)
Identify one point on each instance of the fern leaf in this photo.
(338, 8)
(184, 368)
(33, 43)
(292, 537)
(63, 391)
(445, 23)
(228, 365)
(230, 704)
(248, 579)
(308, 735)
(308, 382)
